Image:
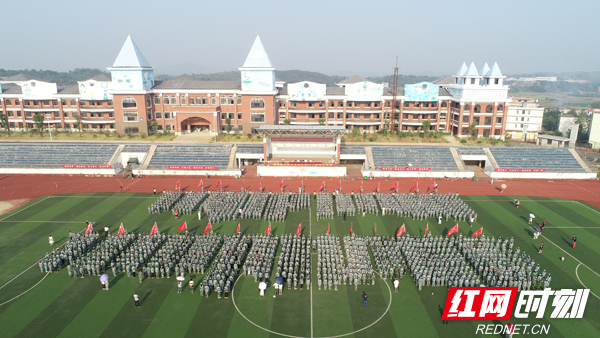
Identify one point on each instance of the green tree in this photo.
(321, 121)
(473, 128)
(39, 123)
(426, 126)
(4, 122)
(154, 126)
(228, 123)
(387, 125)
(287, 122)
(550, 120)
(78, 124)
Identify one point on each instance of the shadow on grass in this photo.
(116, 279)
(145, 297)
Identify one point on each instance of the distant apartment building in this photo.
(524, 118)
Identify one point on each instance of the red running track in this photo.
(27, 188)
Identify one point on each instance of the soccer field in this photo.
(38, 305)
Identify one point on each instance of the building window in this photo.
(331, 116)
(149, 116)
(488, 121)
(293, 115)
(348, 116)
(292, 104)
(223, 99)
(173, 100)
(166, 99)
(467, 108)
(340, 104)
(376, 116)
(349, 104)
(281, 104)
(498, 120)
(129, 116)
(357, 116)
(192, 100)
(311, 116)
(82, 103)
(311, 105)
(444, 104)
(168, 115)
(111, 115)
(239, 116)
(8, 103)
(204, 100)
(377, 104)
(128, 102)
(340, 116)
(477, 109)
(331, 104)
(500, 108)
(156, 100)
(110, 103)
(230, 99)
(158, 115)
(417, 104)
(321, 104)
(257, 117)
(73, 103)
(488, 109)
(148, 101)
(465, 119)
(406, 104)
(183, 100)
(426, 104)
(239, 99)
(522, 119)
(257, 103)
(213, 101)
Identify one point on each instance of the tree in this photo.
(228, 123)
(78, 123)
(287, 122)
(550, 120)
(473, 128)
(39, 123)
(387, 125)
(321, 121)
(426, 126)
(154, 126)
(4, 122)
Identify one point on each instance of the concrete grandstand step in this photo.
(370, 162)
(459, 162)
(580, 161)
(491, 157)
(149, 156)
(231, 163)
(116, 155)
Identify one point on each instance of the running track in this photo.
(29, 188)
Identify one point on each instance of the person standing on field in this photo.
(136, 299)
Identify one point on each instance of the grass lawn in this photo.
(60, 306)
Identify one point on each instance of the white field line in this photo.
(577, 274)
(31, 288)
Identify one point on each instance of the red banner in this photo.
(520, 170)
(406, 169)
(86, 166)
(191, 167)
(300, 139)
(307, 164)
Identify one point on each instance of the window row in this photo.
(46, 103)
(195, 100)
(487, 121)
(56, 115)
(488, 109)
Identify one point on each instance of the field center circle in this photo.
(290, 336)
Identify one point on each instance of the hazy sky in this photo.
(333, 37)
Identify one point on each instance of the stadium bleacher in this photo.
(249, 149)
(196, 155)
(437, 158)
(352, 150)
(470, 151)
(36, 155)
(136, 148)
(551, 159)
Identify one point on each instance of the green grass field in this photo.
(59, 306)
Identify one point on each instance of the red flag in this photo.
(301, 183)
(281, 184)
(339, 185)
(177, 186)
(268, 231)
(259, 186)
(351, 228)
(200, 184)
(378, 183)
(453, 230)
(299, 229)
(432, 186)
(328, 229)
(322, 186)
(218, 184)
(375, 228)
(183, 226)
(394, 186)
(416, 186)
(401, 231)
(88, 229)
(208, 227)
(426, 228)
(361, 184)
(154, 229)
(121, 230)
(477, 233)
(237, 232)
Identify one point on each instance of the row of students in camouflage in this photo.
(294, 264)
(366, 204)
(226, 266)
(76, 247)
(223, 206)
(424, 206)
(359, 269)
(344, 205)
(260, 259)
(101, 257)
(165, 202)
(189, 202)
(330, 263)
(324, 205)
(387, 256)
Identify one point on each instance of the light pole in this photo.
(48, 116)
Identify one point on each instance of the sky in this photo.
(333, 37)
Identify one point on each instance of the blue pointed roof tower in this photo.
(130, 56)
(258, 73)
(257, 57)
(131, 72)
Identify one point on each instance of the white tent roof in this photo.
(472, 71)
(130, 56)
(462, 70)
(258, 57)
(485, 70)
(495, 71)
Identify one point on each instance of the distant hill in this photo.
(61, 78)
